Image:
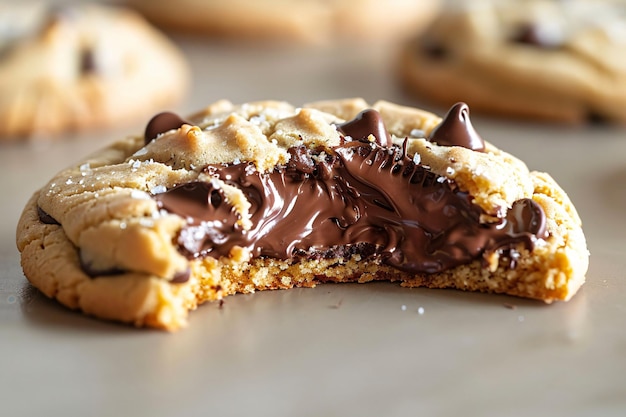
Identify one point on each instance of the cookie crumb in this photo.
(510, 306)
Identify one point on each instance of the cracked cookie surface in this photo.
(217, 203)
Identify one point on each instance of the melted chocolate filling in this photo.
(365, 198)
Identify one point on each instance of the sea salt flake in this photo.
(85, 167)
(250, 169)
(158, 189)
(417, 159)
(141, 152)
(416, 133)
(146, 222)
(139, 195)
(257, 120)
(450, 171)
(69, 181)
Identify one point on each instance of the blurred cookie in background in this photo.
(69, 68)
(548, 60)
(306, 21)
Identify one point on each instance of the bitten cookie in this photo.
(265, 195)
(548, 60)
(309, 21)
(79, 67)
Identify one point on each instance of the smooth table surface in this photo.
(335, 350)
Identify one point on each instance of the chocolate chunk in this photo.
(596, 118)
(182, 277)
(212, 218)
(88, 268)
(536, 35)
(368, 122)
(376, 202)
(45, 217)
(527, 216)
(433, 49)
(87, 61)
(456, 130)
(162, 123)
(301, 160)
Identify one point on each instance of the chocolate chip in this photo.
(45, 217)
(301, 159)
(368, 122)
(94, 272)
(433, 49)
(526, 215)
(537, 35)
(456, 130)
(182, 277)
(596, 118)
(162, 123)
(87, 61)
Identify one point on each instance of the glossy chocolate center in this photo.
(362, 196)
(366, 198)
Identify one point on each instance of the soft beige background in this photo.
(335, 350)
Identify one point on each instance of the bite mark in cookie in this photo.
(264, 195)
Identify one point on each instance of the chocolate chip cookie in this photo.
(307, 21)
(548, 60)
(265, 195)
(78, 67)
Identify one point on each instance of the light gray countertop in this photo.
(335, 350)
